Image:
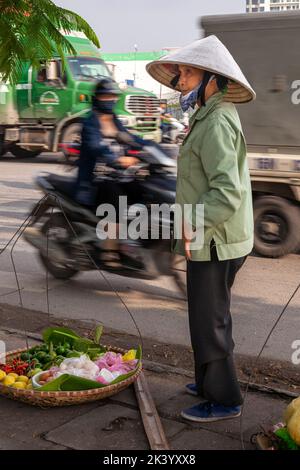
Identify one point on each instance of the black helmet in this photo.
(107, 86)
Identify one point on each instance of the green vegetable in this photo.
(40, 356)
(66, 341)
(68, 338)
(60, 350)
(58, 360)
(47, 358)
(32, 350)
(34, 371)
(25, 356)
(287, 442)
(73, 354)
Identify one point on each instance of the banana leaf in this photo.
(83, 344)
(98, 334)
(59, 335)
(139, 353)
(72, 383)
(68, 382)
(95, 353)
(123, 377)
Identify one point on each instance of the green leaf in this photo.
(123, 377)
(287, 442)
(98, 334)
(94, 353)
(70, 383)
(59, 335)
(74, 354)
(84, 345)
(139, 353)
(81, 345)
(34, 30)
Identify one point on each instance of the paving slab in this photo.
(26, 424)
(112, 427)
(202, 439)
(37, 444)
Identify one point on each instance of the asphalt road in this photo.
(261, 290)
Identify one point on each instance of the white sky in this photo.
(150, 24)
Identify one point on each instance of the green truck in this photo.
(46, 107)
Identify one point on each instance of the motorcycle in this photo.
(182, 134)
(173, 131)
(64, 232)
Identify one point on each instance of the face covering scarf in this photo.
(190, 99)
(105, 107)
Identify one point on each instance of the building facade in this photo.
(253, 6)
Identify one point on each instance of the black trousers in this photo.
(209, 294)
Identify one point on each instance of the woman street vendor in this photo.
(212, 172)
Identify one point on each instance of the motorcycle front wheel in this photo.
(57, 229)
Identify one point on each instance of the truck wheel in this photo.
(276, 226)
(72, 133)
(19, 152)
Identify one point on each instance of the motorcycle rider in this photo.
(100, 128)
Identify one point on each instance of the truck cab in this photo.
(47, 105)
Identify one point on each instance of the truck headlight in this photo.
(124, 121)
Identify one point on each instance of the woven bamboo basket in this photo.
(51, 399)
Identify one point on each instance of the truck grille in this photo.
(146, 124)
(142, 105)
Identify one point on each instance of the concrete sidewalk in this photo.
(115, 423)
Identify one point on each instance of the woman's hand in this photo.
(187, 243)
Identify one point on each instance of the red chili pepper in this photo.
(16, 365)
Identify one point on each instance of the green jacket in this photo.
(213, 170)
